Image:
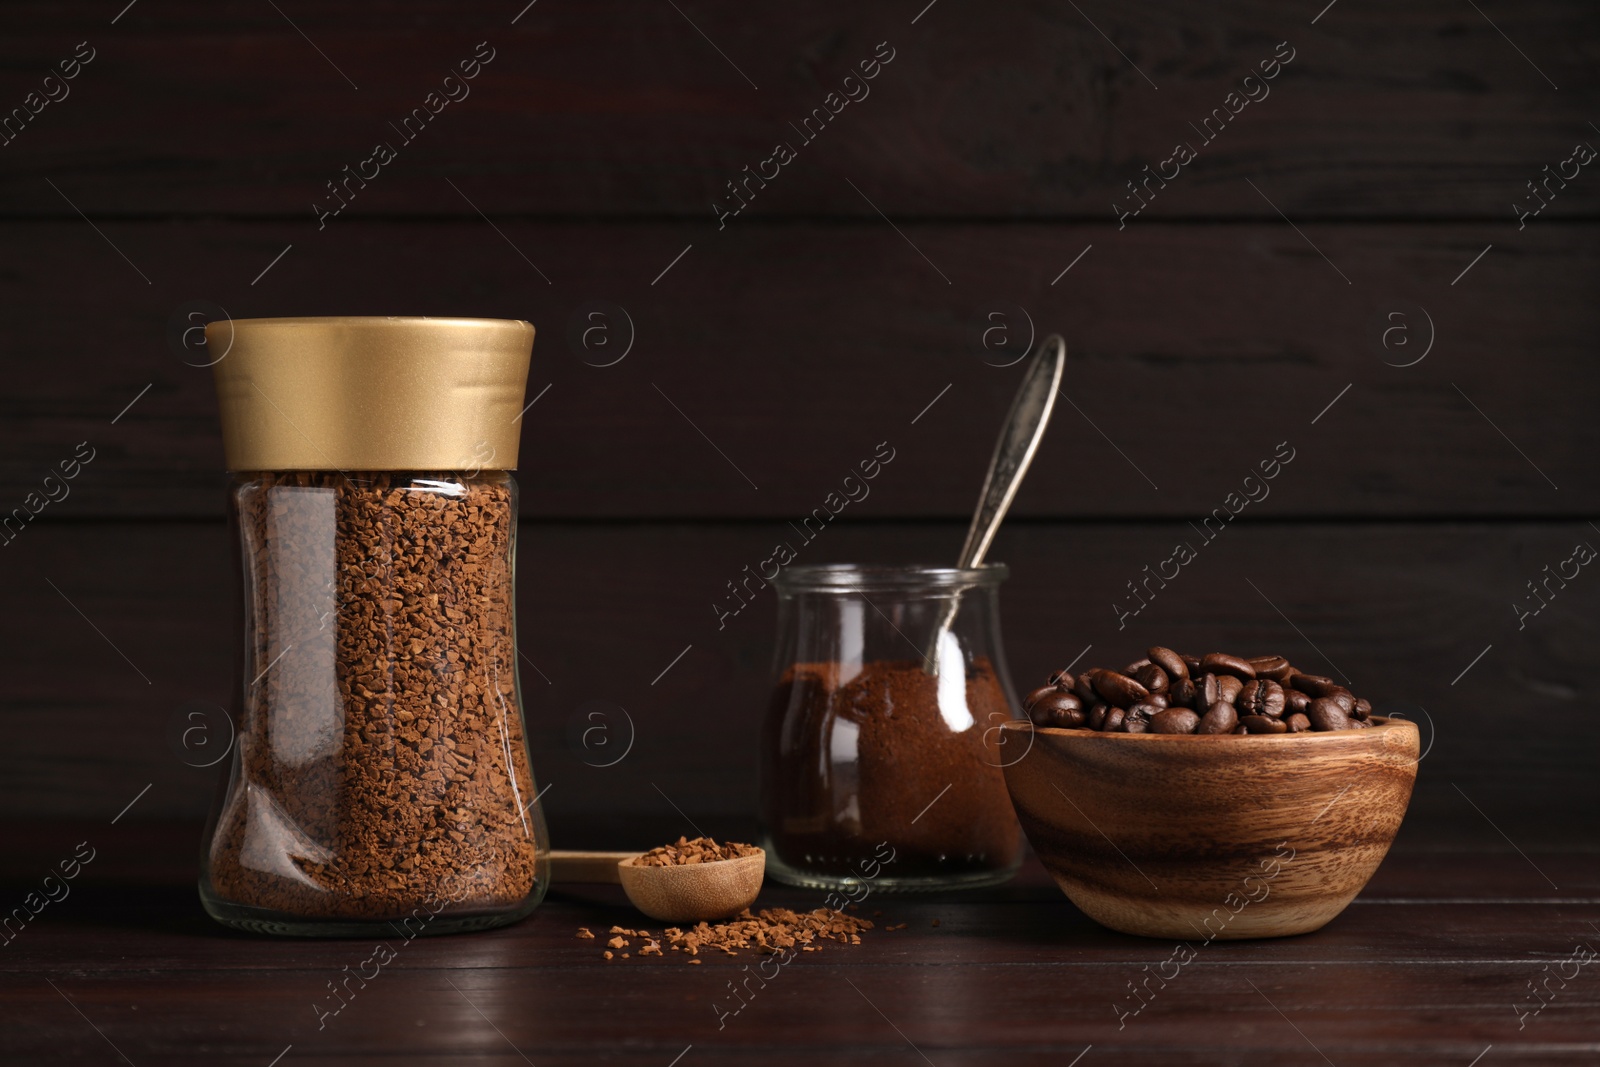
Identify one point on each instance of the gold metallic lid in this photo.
(370, 393)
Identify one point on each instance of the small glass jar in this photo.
(882, 749)
(380, 781)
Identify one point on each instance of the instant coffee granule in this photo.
(380, 746)
(698, 850)
(879, 753)
(769, 931)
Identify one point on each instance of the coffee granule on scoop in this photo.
(696, 850)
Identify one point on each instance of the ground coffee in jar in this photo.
(939, 796)
(380, 766)
(882, 747)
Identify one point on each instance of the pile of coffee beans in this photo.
(1170, 693)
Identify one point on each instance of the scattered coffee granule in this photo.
(585, 933)
(617, 942)
(920, 770)
(381, 761)
(770, 931)
(696, 850)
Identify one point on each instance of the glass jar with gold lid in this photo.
(380, 779)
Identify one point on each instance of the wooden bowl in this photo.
(1213, 837)
(692, 892)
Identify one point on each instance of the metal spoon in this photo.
(1019, 440)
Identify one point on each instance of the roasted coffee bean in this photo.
(1097, 715)
(1314, 685)
(1230, 687)
(1042, 716)
(1260, 724)
(1224, 693)
(1221, 663)
(1261, 696)
(1220, 718)
(1055, 708)
(1119, 689)
(1174, 721)
(1326, 714)
(1181, 691)
(1275, 667)
(1152, 678)
(1037, 695)
(1071, 718)
(1168, 661)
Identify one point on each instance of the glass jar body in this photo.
(882, 754)
(380, 778)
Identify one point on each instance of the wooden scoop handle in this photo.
(567, 865)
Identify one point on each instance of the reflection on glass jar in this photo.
(881, 738)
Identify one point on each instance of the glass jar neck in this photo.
(856, 579)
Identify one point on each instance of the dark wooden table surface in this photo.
(1432, 964)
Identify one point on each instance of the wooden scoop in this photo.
(678, 893)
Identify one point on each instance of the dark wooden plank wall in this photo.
(807, 330)
(621, 108)
(796, 349)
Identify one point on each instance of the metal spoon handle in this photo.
(1013, 452)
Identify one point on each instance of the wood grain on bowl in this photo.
(1213, 837)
